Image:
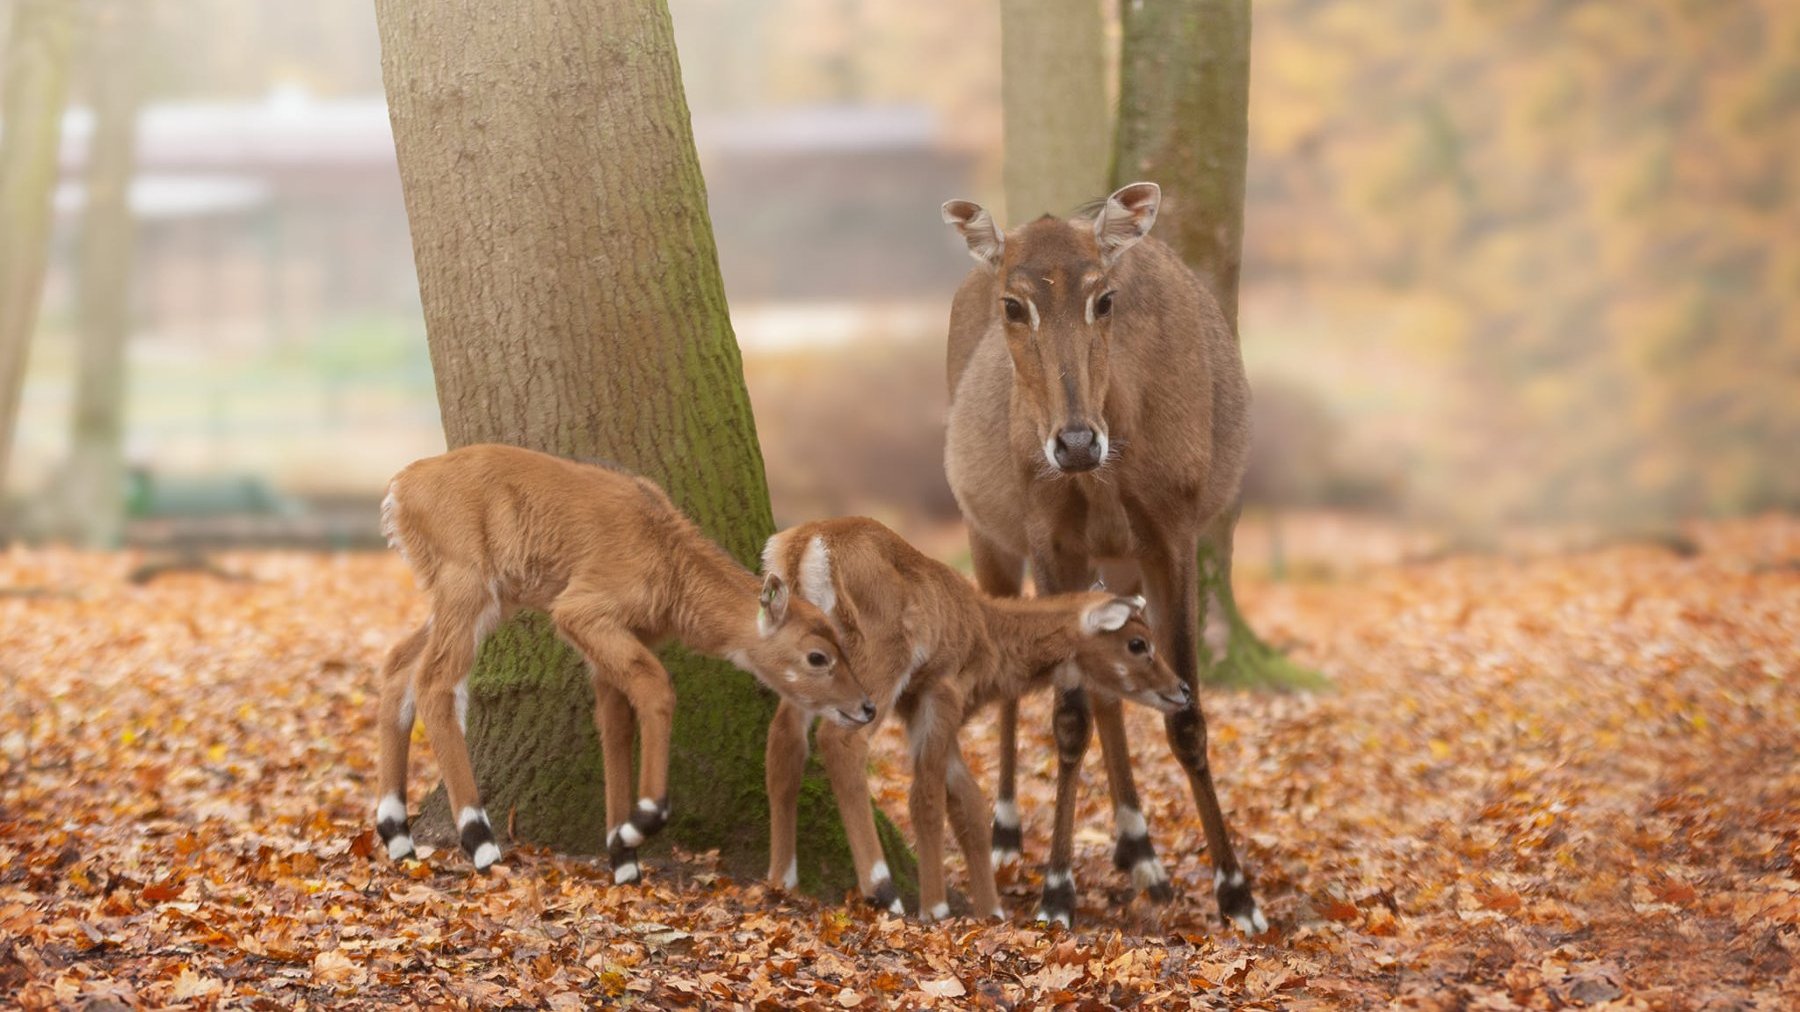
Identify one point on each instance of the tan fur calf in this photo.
(932, 649)
(490, 529)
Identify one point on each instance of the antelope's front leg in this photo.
(1073, 729)
(931, 733)
(845, 753)
(784, 766)
(1133, 853)
(999, 573)
(1171, 578)
(616, 658)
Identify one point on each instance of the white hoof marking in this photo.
(629, 835)
(391, 809)
(1147, 873)
(1254, 924)
(486, 855)
(895, 906)
(792, 878)
(399, 847)
(941, 911)
(625, 873)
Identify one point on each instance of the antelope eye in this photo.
(1103, 306)
(817, 659)
(1138, 646)
(1015, 310)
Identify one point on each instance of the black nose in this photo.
(1076, 448)
(868, 710)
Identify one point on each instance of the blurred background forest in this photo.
(1506, 264)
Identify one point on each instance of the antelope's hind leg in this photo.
(393, 725)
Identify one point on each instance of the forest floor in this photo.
(1540, 781)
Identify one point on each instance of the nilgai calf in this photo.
(490, 529)
(933, 649)
(1098, 420)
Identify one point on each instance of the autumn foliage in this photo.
(1542, 782)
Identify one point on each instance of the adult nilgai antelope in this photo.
(490, 529)
(934, 650)
(1098, 420)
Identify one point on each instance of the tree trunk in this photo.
(1053, 93)
(92, 486)
(37, 86)
(1184, 100)
(573, 304)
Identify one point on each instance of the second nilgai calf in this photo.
(490, 529)
(933, 649)
(1099, 415)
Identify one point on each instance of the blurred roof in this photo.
(292, 128)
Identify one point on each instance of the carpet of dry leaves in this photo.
(1540, 782)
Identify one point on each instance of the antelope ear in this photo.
(977, 228)
(1107, 616)
(1125, 218)
(772, 607)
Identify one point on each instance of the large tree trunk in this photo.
(573, 304)
(1184, 100)
(1053, 93)
(37, 85)
(92, 486)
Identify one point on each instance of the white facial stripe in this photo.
(1090, 307)
(1031, 307)
(815, 575)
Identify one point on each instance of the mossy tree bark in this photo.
(92, 485)
(1053, 95)
(1184, 101)
(573, 304)
(37, 86)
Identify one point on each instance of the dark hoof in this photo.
(1161, 892)
(1237, 905)
(886, 897)
(1058, 904)
(1008, 841)
(477, 838)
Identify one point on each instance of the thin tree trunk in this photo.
(1184, 100)
(1184, 107)
(1053, 93)
(37, 85)
(93, 483)
(573, 304)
